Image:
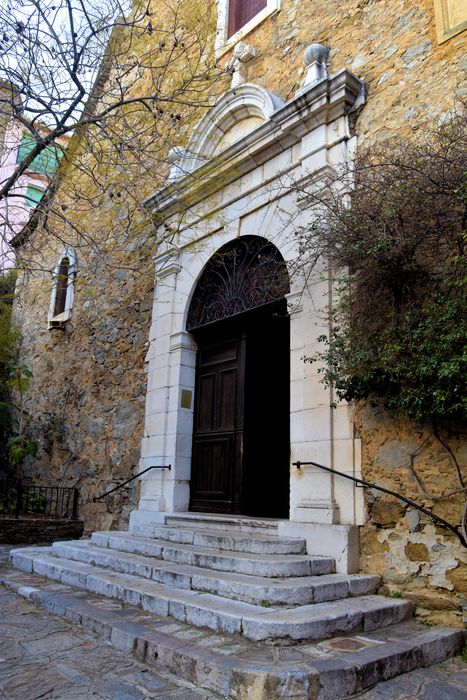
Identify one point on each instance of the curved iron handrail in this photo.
(124, 483)
(368, 484)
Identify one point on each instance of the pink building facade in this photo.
(17, 208)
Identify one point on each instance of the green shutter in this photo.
(46, 162)
(33, 196)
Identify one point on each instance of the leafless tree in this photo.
(123, 84)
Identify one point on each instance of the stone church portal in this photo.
(231, 404)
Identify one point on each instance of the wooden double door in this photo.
(241, 439)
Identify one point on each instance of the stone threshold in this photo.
(234, 667)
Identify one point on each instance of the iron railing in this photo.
(369, 485)
(55, 502)
(124, 483)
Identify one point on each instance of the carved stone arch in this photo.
(248, 103)
(242, 275)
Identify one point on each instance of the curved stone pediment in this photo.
(249, 126)
(237, 113)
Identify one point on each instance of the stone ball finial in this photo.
(316, 53)
(315, 60)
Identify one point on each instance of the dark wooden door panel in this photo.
(266, 480)
(217, 428)
(211, 471)
(241, 442)
(205, 402)
(217, 353)
(227, 386)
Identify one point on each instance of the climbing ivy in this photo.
(414, 363)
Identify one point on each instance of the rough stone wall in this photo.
(35, 530)
(4, 116)
(87, 395)
(88, 390)
(411, 78)
(412, 81)
(417, 559)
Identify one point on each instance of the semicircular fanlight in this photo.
(244, 274)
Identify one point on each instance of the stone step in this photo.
(271, 566)
(234, 668)
(250, 542)
(290, 591)
(269, 624)
(227, 523)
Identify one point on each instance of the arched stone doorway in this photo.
(208, 201)
(241, 441)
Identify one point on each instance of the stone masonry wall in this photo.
(88, 389)
(35, 530)
(417, 559)
(411, 79)
(87, 394)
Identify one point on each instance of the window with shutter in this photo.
(46, 163)
(241, 11)
(62, 287)
(61, 302)
(237, 18)
(33, 196)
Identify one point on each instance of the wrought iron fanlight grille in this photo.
(244, 274)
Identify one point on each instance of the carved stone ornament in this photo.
(315, 60)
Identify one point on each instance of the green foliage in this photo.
(8, 502)
(9, 334)
(9, 338)
(399, 327)
(20, 377)
(31, 502)
(416, 361)
(20, 447)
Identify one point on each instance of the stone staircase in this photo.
(232, 579)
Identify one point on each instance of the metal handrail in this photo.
(124, 483)
(369, 485)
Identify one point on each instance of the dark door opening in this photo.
(265, 480)
(241, 438)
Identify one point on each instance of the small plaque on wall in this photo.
(186, 398)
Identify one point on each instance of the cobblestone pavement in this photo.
(43, 656)
(446, 681)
